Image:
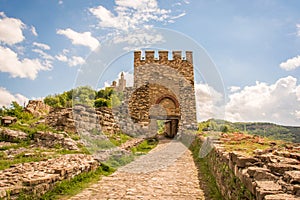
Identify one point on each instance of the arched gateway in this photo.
(163, 90)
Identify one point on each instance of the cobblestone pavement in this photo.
(167, 172)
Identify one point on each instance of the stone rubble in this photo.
(37, 108)
(38, 177)
(11, 135)
(52, 140)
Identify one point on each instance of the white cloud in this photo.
(291, 63)
(262, 102)
(33, 31)
(298, 29)
(43, 54)
(41, 45)
(72, 61)
(209, 102)
(75, 60)
(234, 88)
(85, 38)
(11, 30)
(131, 14)
(297, 114)
(61, 58)
(60, 2)
(7, 98)
(25, 68)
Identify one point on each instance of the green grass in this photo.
(119, 138)
(145, 146)
(7, 163)
(67, 188)
(204, 171)
(245, 147)
(15, 145)
(118, 161)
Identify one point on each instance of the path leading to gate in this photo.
(166, 172)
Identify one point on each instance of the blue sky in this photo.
(255, 46)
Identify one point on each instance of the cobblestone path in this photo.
(167, 172)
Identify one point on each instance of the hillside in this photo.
(274, 131)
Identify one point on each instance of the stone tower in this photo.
(163, 89)
(121, 84)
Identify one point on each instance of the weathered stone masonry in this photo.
(268, 175)
(163, 89)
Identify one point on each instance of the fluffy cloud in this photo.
(131, 14)
(7, 98)
(277, 103)
(33, 31)
(41, 45)
(85, 38)
(234, 88)
(11, 30)
(291, 63)
(61, 58)
(23, 68)
(75, 60)
(72, 61)
(209, 102)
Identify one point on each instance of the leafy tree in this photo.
(105, 93)
(16, 110)
(101, 102)
(52, 101)
(84, 95)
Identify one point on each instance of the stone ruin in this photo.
(163, 90)
(37, 108)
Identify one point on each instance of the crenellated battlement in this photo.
(182, 62)
(149, 56)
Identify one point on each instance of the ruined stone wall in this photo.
(37, 108)
(81, 118)
(156, 78)
(36, 178)
(269, 174)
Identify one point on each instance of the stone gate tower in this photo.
(163, 89)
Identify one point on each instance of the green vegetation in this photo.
(21, 158)
(273, 131)
(85, 95)
(208, 180)
(145, 146)
(15, 110)
(119, 138)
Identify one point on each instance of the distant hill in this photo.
(287, 133)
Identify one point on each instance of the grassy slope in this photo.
(274, 131)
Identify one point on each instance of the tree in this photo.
(16, 110)
(84, 95)
(101, 102)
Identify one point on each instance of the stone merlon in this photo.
(163, 56)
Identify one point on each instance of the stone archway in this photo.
(171, 116)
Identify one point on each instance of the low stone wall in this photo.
(269, 174)
(36, 178)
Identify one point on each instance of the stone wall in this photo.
(156, 80)
(269, 174)
(37, 108)
(36, 178)
(82, 118)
